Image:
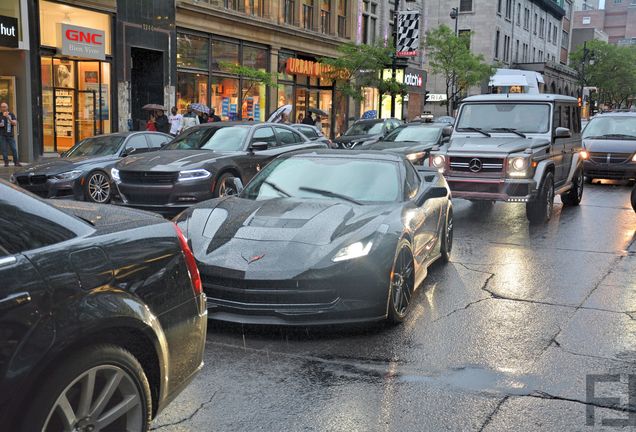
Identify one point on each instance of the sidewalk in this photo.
(5, 172)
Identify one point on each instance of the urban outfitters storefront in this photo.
(75, 62)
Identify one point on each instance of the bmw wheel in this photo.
(97, 187)
(101, 388)
(401, 283)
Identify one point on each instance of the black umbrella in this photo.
(318, 111)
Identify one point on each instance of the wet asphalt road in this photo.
(502, 338)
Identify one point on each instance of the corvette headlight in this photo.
(114, 174)
(197, 174)
(518, 167)
(68, 175)
(354, 250)
(414, 157)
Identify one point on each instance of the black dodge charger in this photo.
(200, 164)
(321, 237)
(102, 316)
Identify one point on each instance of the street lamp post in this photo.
(454, 14)
(587, 56)
(394, 59)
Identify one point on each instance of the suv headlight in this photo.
(354, 250)
(114, 174)
(68, 175)
(438, 161)
(518, 166)
(197, 174)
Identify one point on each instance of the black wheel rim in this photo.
(402, 282)
(449, 232)
(226, 189)
(549, 196)
(580, 183)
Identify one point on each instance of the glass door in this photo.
(85, 115)
(63, 106)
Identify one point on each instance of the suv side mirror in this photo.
(259, 146)
(562, 132)
(238, 184)
(447, 131)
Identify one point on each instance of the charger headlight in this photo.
(196, 174)
(354, 250)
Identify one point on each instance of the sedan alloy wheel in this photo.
(98, 187)
(402, 280)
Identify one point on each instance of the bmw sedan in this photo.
(322, 237)
(201, 163)
(102, 315)
(83, 172)
(610, 140)
(413, 140)
(366, 132)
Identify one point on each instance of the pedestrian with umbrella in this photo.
(277, 116)
(162, 124)
(189, 118)
(151, 124)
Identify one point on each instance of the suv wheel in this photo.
(102, 387)
(539, 210)
(574, 195)
(634, 198)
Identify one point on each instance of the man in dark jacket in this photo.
(8, 122)
(213, 116)
(162, 123)
(309, 119)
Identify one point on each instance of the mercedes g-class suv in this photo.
(515, 148)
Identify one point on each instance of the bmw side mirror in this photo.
(562, 132)
(238, 184)
(128, 151)
(259, 146)
(447, 131)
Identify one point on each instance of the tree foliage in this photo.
(610, 68)
(359, 66)
(450, 57)
(252, 75)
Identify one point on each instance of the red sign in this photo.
(85, 37)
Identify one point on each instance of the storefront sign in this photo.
(9, 32)
(82, 42)
(296, 66)
(436, 97)
(408, 39)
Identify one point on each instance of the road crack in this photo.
(547, 396)
(190, 417)
(493, 413)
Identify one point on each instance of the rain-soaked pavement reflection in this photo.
(505, 337)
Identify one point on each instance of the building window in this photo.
(343, 6)
(541, 27)
(540, 55)
(534, 55)
(506, 47)
(224, 52)
(586, 20)
(518, 14)
(525, 52)
(369, 22)
(554, 34)
(288, 11)
(465, 5)
(325, 16)
(499, 7)
(497, 35)
(618, 1)
(509, 9)
(192, 51)
(526, 20)
(517, 52)
(308, 14)
(254, 7)
(565, 40)
(232, 4)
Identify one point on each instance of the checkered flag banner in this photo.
(408, 40)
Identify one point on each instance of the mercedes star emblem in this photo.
(474, 165)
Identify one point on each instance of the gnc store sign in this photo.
(82, 42)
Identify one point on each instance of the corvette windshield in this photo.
(359, 181)
(222, 139)
(419, 133)
(364, 128)
(614, 127)
(523, 117)
(96, 146)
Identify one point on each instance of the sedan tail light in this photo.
(191, 263)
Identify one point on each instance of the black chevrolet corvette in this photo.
(320, 237)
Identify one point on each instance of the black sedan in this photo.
(102, 315)
(313, 133)
(201, 163)
(322, 237)
(366, 132)
(83, 172)
(413, 140)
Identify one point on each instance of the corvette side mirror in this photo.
(259, 146)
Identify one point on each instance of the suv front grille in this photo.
(476, 165)
(148, 177)
(609, 158)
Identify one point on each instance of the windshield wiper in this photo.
(277, 188)
(611, 136)
(329, 194)
(474, 129)
(511, 130)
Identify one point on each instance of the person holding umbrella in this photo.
(189, 118)
(161, 122)
(309, 119)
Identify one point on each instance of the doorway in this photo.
(146, 80)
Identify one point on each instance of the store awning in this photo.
(508, 80)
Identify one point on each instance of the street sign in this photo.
(408, 39)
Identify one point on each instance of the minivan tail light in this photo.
(191, 263)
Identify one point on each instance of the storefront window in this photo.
(225, 97)
(370, 100)
(340, 107)
(324, 103)
(54, 14)
(254, 96)
(255, 57)
(282, 66)
(191, 88)
(47, 104)
(105, 99)
(285, 95)
(224, 52)
(192, 51)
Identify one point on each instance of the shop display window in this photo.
(191, 88)
(370, 100)
(282, 66)
(225, 97)
(192, 51)
(255, 57)
(53, 14)
(254, 97)
(224, 52)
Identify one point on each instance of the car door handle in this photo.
(15, 300)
